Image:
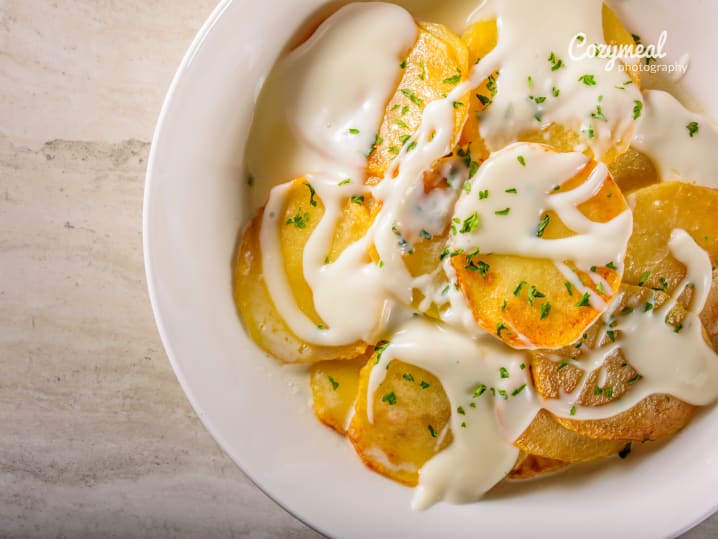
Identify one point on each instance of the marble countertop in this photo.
(96, 437)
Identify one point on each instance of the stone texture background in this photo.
(96, 436)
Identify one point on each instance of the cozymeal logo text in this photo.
(631, 55)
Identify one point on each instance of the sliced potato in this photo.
(531, 466)
(654, 417)
(657, 210)
(511, 298)
(411, 412)
(334, 389)
(633, 170)
(434, 66)
(546, 438)
(251, 296)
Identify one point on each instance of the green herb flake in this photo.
(569, 288)
(541, 228)
(505, 211)
(408, 377)
(637, 109)
(533, 294)
(588, 80)
(456, 79)
(403, 64)
(424, 385)
(479, 390)
(389, 398)
(470, 224)
(432, 431)
(460, 410)
(517, 291)
(573, 410)
(312, 194)
(585, 301)
(556, 62)
(556, 92)
(642, 280)
(299, 220)
(611, 335)
(521, 160)
(483, 195)
(480, 267)
(635, 379)
(411, 95)
(485, 101)
(692, 128)
(358, 199)
(346, 181)
(334, 383)
(457, 104)
(512, 191)
(523, 366)
(562, 365)
(545, 310)
(401, 123)
(518, 390)
(611, 266)
(499, 328)
(503, 372)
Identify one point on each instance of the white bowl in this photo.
(260, 413)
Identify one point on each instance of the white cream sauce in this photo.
(536, 89)
(321, 105)
(681, 143)
(518, 185)
(360, 299)
(482, 452)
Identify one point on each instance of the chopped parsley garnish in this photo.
(678, 328)
(499, 328)
(491, 85)
(664, 283)
(534, 293)
(479, 390)
(456, 79)
(521, 160)
(389, 398)
(505, 211)
(377, 142)
(562, 365)
(523, 366)
(401, 123)
(470, 224)
(635, 379)
(485, 101)
(588, 80)
(424, 234)
(573, 410)
(611, 335)
(345, 182)
(299, 220)
(556, 62)
(504, 305)
(569, 288)
(403, 64)
(611, 265)
(589, 131)
(692, 128)
(411, 95)
(637, 108)
(599, 115)
(422, 74)
(354, 131)
(541, 228)
(483, 194)
(512, 191)
(545, 310)
(457, 104)
(503, 394)
(537, 100)
(312, 194)
(518, 390)
(585, 301)
(408, 377)
(648, 307)
(503, 372)
(473, 169)
(626, 311)
(379, 350)
(556, 92)
(481, 267)
(334, 383)
(460, 410)
(432, 431)
(642, 280)
(517, 291)
(424, 385)
(358, 199)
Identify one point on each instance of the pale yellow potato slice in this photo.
(411, 411)
(657, 211)
(434, 66)
(546, 438)
(302, 213)
(334, 387)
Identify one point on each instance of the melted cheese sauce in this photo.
(681, 143)
(321, 97)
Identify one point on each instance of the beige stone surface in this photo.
(96, 436)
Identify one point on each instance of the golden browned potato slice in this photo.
(654, 417)
(633, 170)
(302, 213)
(436, 64)
(334, 389)
(546, 438)
(411, 413)
(520, 298)
(709, 316)
(480, 39)
(531, 466)
(658, 210)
